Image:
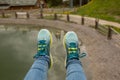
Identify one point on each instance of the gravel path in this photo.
(102, 62)
(91, 21)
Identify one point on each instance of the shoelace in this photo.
(41, 45)
(41, 48)
(82, 55)
(73, 49)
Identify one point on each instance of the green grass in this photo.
(6, 16)
(117, 29)
(103, 9)
(103, 29)
(51, 17)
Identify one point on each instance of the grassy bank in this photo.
(103, 9)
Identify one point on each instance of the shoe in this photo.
(71, 44)
(44, 43)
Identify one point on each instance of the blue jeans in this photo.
(39, 70)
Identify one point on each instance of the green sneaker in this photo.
(71, 44)
(44, 43)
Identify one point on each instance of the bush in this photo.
(54, 2)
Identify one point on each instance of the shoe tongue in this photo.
(42, 42)
(73, 45)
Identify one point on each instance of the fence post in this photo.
(82, 20)
(52, 10)
(63, 10)
(6, 28)
(16, 15)
(41, 15)
(28, 16)
(57, 35)
(96, 23)
(109, 33)
(55, 16)
(3, 14)
(68, 18)
(41, 11)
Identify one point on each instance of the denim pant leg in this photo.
(75, 70)
(38, 71)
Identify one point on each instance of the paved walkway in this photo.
(91, 21)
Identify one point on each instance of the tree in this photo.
(60, 2)
(54, 2)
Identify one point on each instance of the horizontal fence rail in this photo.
(116, 36)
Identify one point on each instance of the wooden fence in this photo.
(109, 31)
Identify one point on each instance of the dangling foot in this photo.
(44, 42)
(71, 44)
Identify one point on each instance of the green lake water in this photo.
(16, 51)
(17, 48)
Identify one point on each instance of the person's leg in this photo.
(42, 63)
(73, 64)
(75, 71)
(38, 71)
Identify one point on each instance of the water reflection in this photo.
(18, 44)
(16, 51)
(17, 47)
